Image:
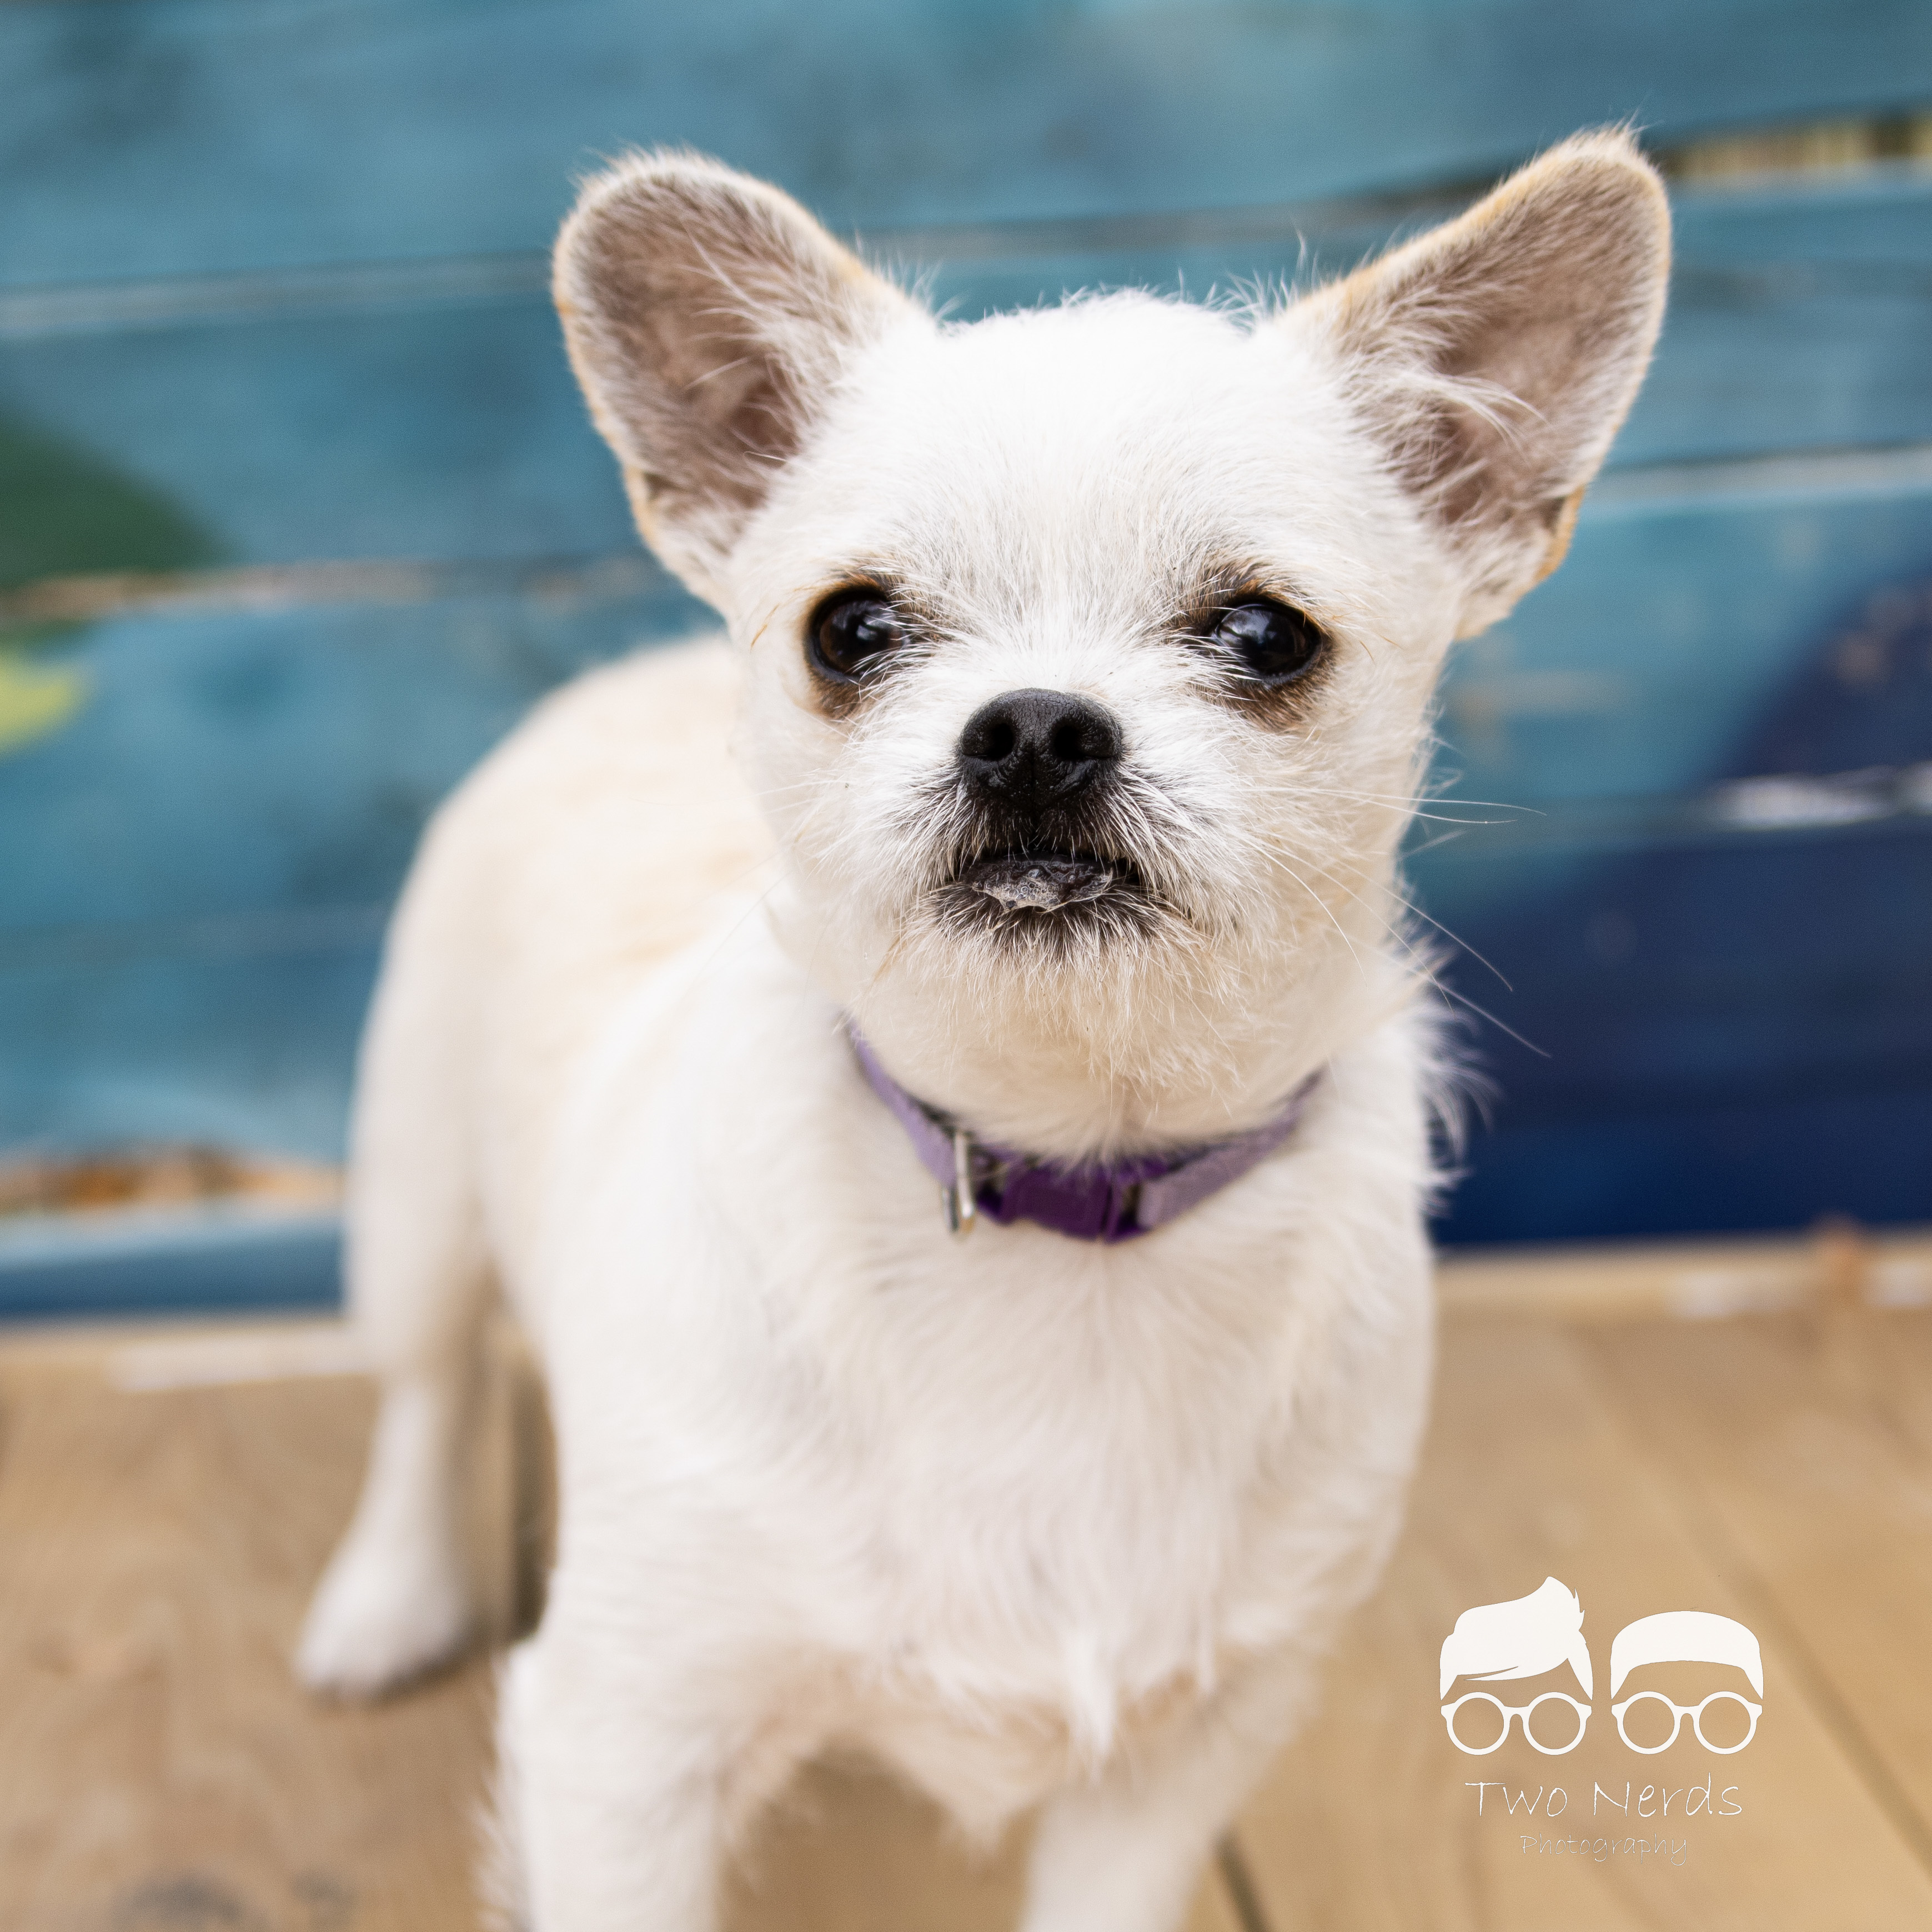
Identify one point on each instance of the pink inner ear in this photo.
(1497, 356)
(704, 311)
(663, 291)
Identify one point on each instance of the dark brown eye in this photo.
(851, 632)
(1273, 643)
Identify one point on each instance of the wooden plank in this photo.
(250, 1050)
(1654, 661)
(1689, 1083)
(70, 1267)
(227, 1047)
(301, 131)
(159, 1768)
(1796, 316)
(1663, 658)
(1864, 219)
(1669, 971)
(1597, 1174)
(1838, 1265)
(446, 431)
(1552, 1450)
(177, 958)
(849, 1850)
(1709, 1036)
(185, 952)
(342, 724)
(1608, 928)
(156, 1761)
(397, 419)
(1687, 609)
(1803, 1445)
(1531, 1469)
(279, 758)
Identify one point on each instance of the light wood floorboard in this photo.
(160, 1772)
(1538, 1464)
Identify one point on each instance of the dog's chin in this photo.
(1028, 899)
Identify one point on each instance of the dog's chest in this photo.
(988, 1507)
(1051, 1525)
(1009, 1632)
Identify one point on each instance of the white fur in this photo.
(1039, 1522)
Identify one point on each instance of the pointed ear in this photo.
(1496, 356)
(707, 317)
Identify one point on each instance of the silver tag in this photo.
(962, 1209)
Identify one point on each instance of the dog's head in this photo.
(1091, 649)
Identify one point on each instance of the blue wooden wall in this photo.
(272, 324)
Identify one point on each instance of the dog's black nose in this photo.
(1030, 750)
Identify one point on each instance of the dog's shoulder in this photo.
(653, 719)
(592, 845)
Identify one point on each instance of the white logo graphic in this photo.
(1530, 1635)
(1686, 1636)
(1523, 1638)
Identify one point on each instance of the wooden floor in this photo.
(164, 1507)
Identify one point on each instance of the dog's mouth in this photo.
(1043, 884)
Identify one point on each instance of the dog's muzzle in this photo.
(1037, 767)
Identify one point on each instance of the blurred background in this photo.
(300, 511)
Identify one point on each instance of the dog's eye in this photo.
(851, 631)
(1274, 642)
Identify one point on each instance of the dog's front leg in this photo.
(612, 1767)
(1126, 1853)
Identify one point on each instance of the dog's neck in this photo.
(1107, 1201)
(1026, 1074)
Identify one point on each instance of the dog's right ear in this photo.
(1495, 356)
(708, 317)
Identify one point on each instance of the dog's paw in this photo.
(382, 1615)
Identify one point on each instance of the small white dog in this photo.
(1080, 663)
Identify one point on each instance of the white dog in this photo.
(1078, 665)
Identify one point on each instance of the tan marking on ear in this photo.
(644, 508)
(1562, 529)
(1497, 356)
(1560, 536)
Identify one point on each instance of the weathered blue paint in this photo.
(1638, 668)
(232, 763)
(1717, 1014)
(414, 418)
(271, 291)
(194, 874)
(245, 1038)
(1738, 1169)
(183, 948)
(159, 1265)
(161, 137)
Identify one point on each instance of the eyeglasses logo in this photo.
(1528, 1635)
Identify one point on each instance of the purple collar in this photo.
(1113, 1202)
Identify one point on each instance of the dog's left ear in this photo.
(709, 318)
(1495, 357)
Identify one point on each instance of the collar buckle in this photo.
(961, 1200)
